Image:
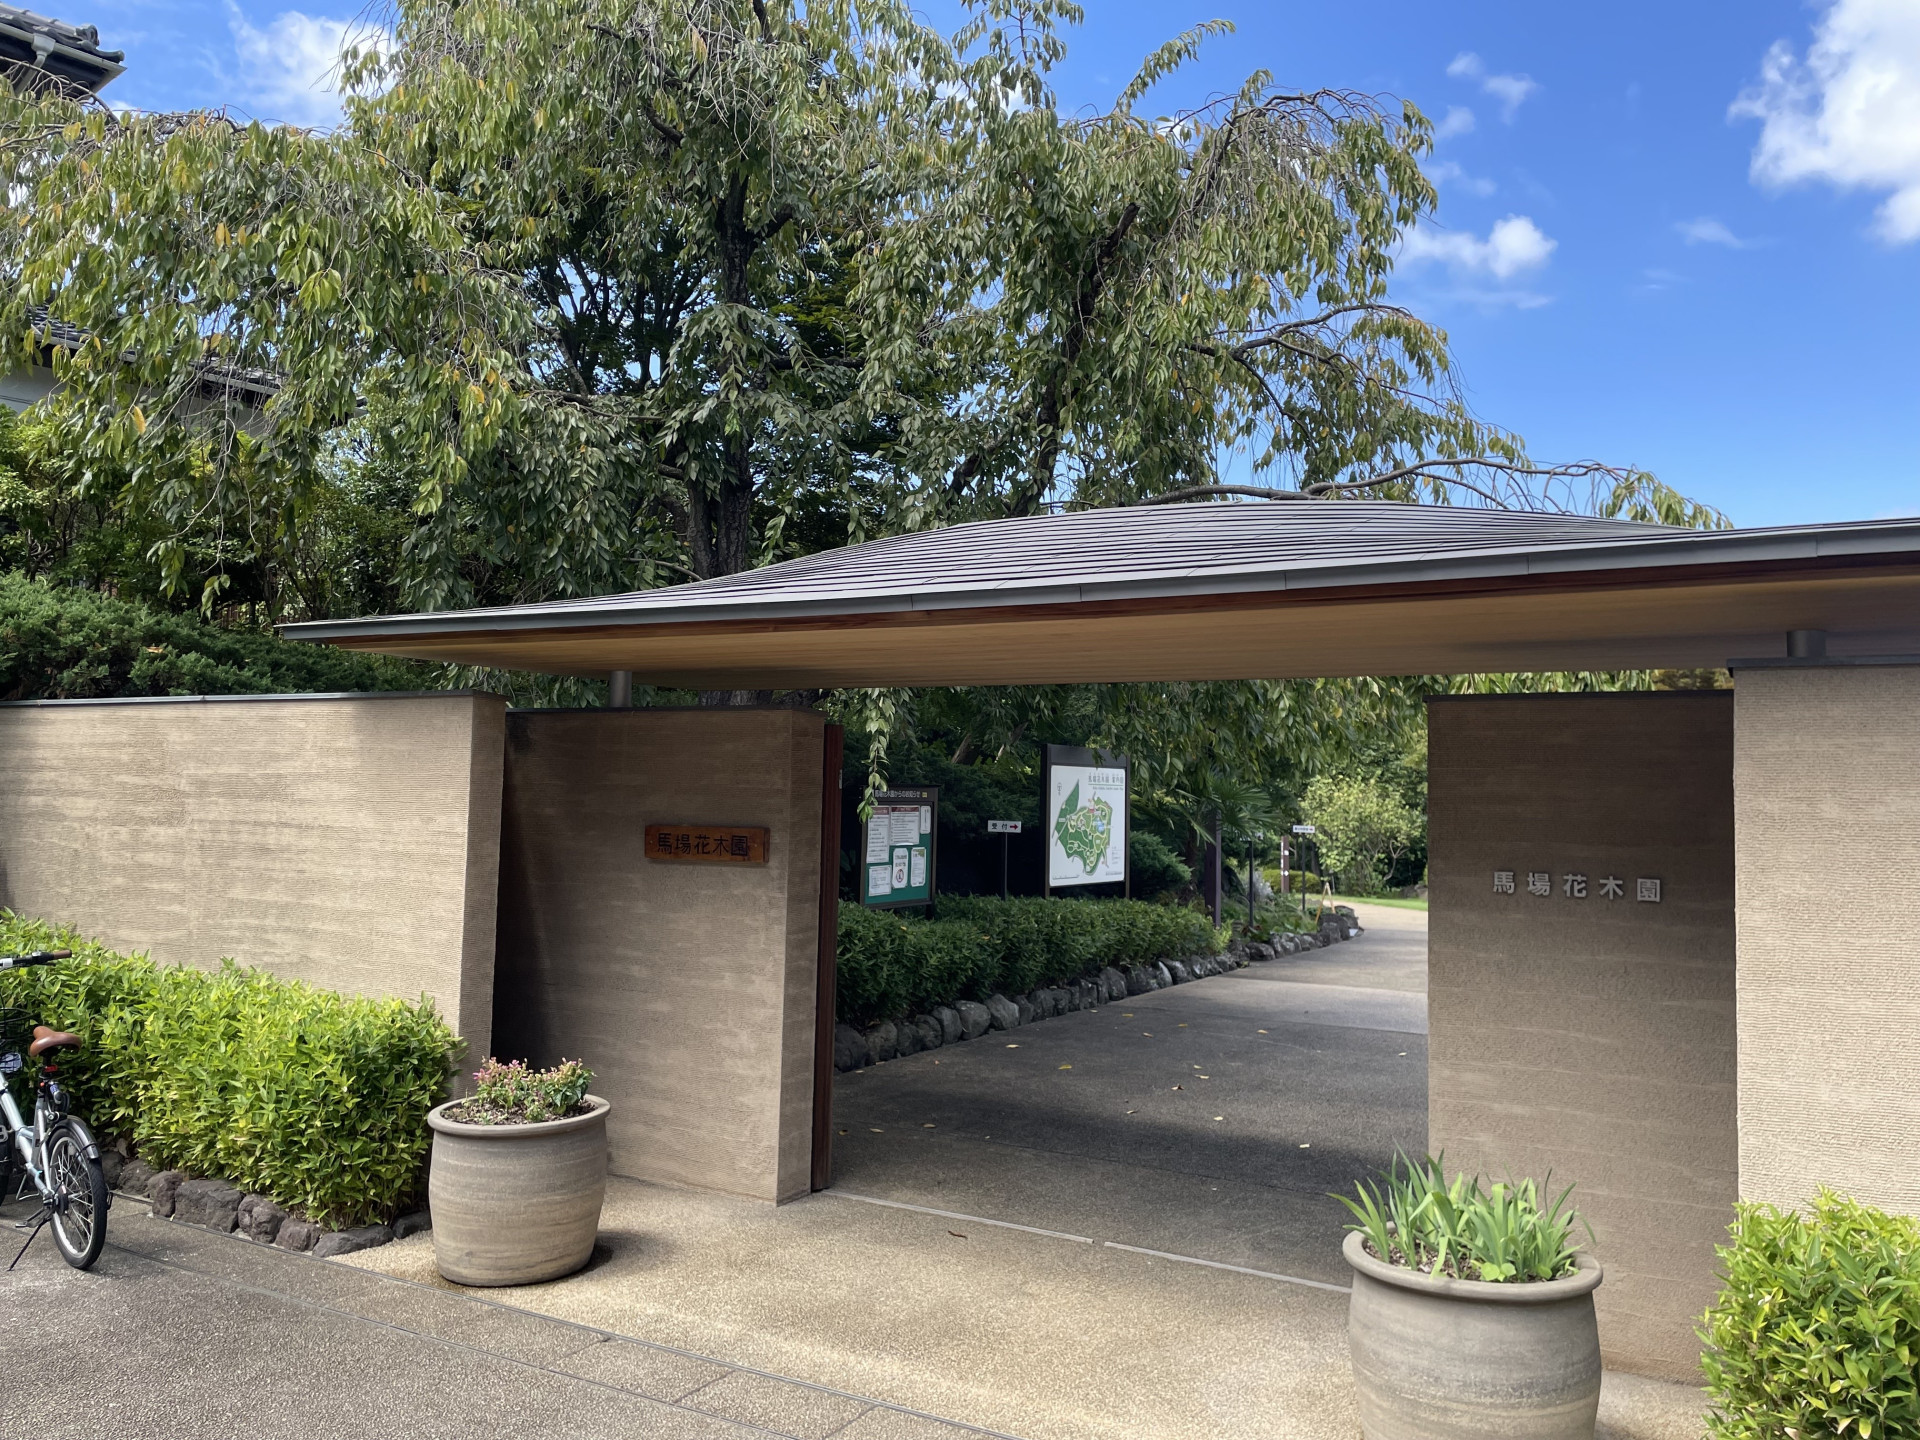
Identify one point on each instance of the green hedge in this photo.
(59, 643)
(1816, 1335)
(893, 963)
(316, 1099)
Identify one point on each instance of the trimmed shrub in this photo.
(58, 643)
(892, 964)
(316, 1099)
(1816, 1335)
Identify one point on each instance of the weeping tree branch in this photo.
(1627, 486)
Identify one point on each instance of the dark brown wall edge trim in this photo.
(825, 998)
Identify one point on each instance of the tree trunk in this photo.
(721, 518)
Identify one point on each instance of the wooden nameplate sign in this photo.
(708, 844)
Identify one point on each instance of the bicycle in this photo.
(57, 1152)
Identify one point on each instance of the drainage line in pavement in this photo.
(1237, 1269)
(956, 1215)
(1089, 1240)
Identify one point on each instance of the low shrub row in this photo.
(1816, 1335)
(894, 963)
(316, 1099)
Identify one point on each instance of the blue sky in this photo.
(1681, 236)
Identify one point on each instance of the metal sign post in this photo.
(1304, 830)
(1003, 828)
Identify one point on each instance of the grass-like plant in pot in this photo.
(1472, 1309)
(518, 1176)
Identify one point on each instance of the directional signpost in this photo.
(1003, 828)
(1302, 831)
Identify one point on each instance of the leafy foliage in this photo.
(64, 644)
(1362, 823)
(1511, 1231)
(508, 1093)
(606, 292)
(1816, 1334)
(891, 964)
(316, 1099)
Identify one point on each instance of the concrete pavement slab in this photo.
(180, 1334)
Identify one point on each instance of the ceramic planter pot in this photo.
(516, 1204)
(1442, 1359)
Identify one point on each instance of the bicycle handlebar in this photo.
(38, 957)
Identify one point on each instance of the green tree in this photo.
(1362, 823)
(629, 290)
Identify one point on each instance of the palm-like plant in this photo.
(1509, 1231)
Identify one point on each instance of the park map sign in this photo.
(1087, 817)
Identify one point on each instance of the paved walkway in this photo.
(1055, 1241)
(180, 1334)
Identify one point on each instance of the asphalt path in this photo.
(1213, 1119)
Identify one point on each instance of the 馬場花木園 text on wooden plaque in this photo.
(709, 844)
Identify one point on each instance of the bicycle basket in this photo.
(16, 1033)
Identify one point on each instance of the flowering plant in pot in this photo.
(1472, 1310)
(518, 1175)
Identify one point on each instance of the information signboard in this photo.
(1087, 819)
(897, 862)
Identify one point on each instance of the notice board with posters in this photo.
(1086, 794)
(898, 855)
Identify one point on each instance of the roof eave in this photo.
(1702, 553)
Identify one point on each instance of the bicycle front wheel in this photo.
(79, 1199)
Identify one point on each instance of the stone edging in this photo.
(970, 1019)
(227, 1210)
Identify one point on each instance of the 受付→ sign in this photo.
(709, 844)
(1003, 827)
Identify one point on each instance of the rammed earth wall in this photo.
(351, 841)
(1590, 1036)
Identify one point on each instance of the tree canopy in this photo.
(592, 295)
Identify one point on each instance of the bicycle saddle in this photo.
(46, 1038)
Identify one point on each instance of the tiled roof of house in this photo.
(39, 46)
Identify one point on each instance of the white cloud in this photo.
(1708, 231)
(290, 71)
(1510, 90)
(1453, 177)
(1458, 121)
(1515, 244)
(1849, 113)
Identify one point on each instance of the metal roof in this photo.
(1163, 560)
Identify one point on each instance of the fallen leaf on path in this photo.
(1013, 1047)
(876, 1130)
(1179, 1087)
(1066, 1067)
(928, 1126)
(1219, 1117)
(956, 1234)
(1306, 1147)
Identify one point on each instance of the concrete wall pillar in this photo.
(687, 988)
(1827, 826)
(351, 841)
(1586, 1034)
